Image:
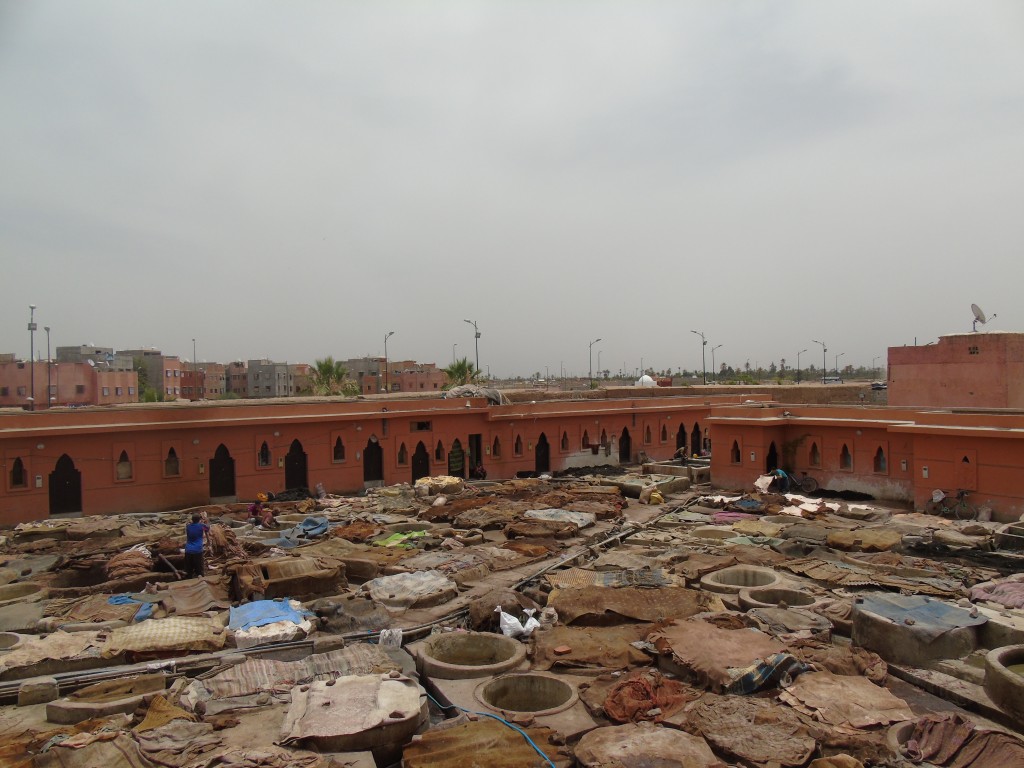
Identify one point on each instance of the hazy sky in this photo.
(293, 180)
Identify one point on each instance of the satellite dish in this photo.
(979, 317)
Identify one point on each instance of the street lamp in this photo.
(476, 341)
(714, 371)
(824, 365)
(599, 363)
(798, 364)
(592, 361)
(32, 355)
(387, 336)
(48, 398)
(837, 363)
(703, 364)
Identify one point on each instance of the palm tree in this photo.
(460, 372)
(327, 377)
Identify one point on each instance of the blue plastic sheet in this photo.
(263, 612)
(145, 612)
(931, 617)
(310, 528)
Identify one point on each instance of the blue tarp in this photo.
(262, 612)
(144, 612)
(931, 617)
(310, 528)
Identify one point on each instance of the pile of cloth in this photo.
(132, 562)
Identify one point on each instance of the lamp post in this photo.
(824, 365)
(453, 352)
(798, 364)
(599, 363)
(195, 373)
(32, 356)
(703, 364)
(837, 363)
(476, 341)
(49, 398)
(714, 371)
(387, 336)
(592, 362)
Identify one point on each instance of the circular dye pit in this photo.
(773, 597)
(462, 655)
(531, 693)
(1004, 679)
(731, 580)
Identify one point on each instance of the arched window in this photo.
(19, 477)
(814, 457)
(647, 434)
(496, 449)
(439, 451)
(403, 455)
(124, 466)
(965, 460)
(664, 433)
(565, 441)
(263, 457)
(517, 449)
(880, 463)
(339, 450)
(734, 454)
(845, 458)
(604, 438)
(586, 439)
(172, 467)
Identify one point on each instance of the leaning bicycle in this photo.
(802, 482)
(953, 507)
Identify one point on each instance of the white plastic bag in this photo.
(513, 627)
(391, 637)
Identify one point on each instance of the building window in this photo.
(172, 467)
(19, 477)
(118, 391)
(263, 457)
(339, 450)
(169, 392)
(53, 390)
(79, 389)
(586, 439)
(106, 391)
(177, 373)
(124, 466)
(439, 452)
(734, 453)
(880, 464)
(435, 386)
(403, 455)
(517, 449)
(814, 457)
(167, 373)
(22, 391)
(647, 435)
(5, 391)
(421, 426)
(604, 438)
(845, 458)
(972, 350)
(496, 449)
(565, 441)
(664, 433)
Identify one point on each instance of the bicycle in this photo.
(807, 484)
(958, 510)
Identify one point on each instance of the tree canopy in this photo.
(461, 372)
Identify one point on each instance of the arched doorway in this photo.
(771, 459)
(542, 454)
(373, 461)
(681, 439)
(457, 460)
(420, 462)
(295, 470)
(65, 487)
(222, 473)
(695, 442)
(625, 446)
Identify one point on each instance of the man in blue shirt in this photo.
(195, 532)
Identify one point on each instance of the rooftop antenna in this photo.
(979, 317)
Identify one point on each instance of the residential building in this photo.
(203, 381)
(65, 384)
(163, 372)
(269, 379)
(103, 356)
(962, 370)
(402, 375)
(237, 378)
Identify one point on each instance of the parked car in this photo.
(879, 385)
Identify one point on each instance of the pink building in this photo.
(64, 384)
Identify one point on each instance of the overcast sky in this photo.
(294, 180)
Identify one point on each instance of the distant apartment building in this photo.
(237, 378)
(300, 377)
(203, 381)
(163, 372)
(400, 375)
(961, 370)
(269, 379)
(64, 384)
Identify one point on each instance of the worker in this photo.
(195, 535)
(781, 480)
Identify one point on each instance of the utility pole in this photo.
(703, 346)
(32, 355)
(824, 365)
